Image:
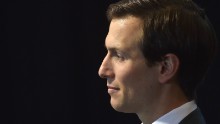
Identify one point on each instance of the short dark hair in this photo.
(173, 26)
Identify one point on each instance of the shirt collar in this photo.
(177, 114)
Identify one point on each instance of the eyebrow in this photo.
(111, 48)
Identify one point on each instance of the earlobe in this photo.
(168, 68)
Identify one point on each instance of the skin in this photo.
(134, 86)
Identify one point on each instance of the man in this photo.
(158, 53)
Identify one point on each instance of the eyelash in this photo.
(119, 56)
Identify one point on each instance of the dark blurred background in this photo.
(51, 52)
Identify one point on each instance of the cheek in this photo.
(124, 74)
(132, 77)
(138, 78)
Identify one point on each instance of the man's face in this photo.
(132, 84)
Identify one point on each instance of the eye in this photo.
(119, 56)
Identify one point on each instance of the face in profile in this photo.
(131, 83)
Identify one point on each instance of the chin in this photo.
(120, 107)
(116, 105)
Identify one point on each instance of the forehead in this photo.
(124, 32)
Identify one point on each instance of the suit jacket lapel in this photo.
(195, 117)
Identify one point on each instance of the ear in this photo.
(168, 68)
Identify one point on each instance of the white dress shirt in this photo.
(177, 114)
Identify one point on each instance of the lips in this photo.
(112, 89)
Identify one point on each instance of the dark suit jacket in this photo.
(195, 117)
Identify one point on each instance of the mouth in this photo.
(112, 89)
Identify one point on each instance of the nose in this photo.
(105, 70)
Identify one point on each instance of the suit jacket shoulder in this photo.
(195, 117)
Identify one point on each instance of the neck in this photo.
(169, 98)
